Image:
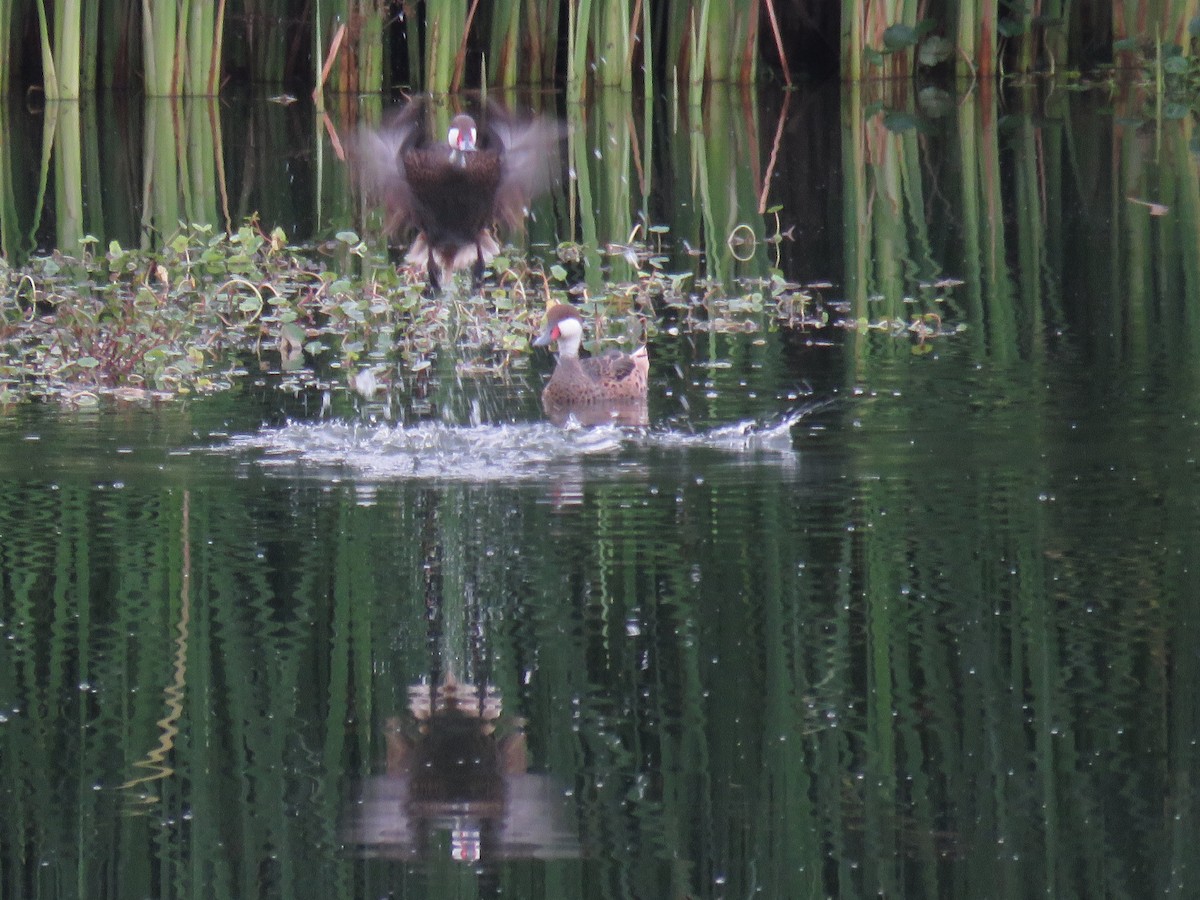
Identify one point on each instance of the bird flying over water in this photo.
(452, 193)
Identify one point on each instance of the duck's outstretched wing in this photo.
(531, 161)
(376, 157)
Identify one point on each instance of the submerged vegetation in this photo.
(194, 48)
(207, 309)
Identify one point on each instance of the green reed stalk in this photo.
(96, 179)
(90, 59)
(725, 172)
(263, 51)
(160, 30)
(699, 53)
(49, 70)
(749, 36)
(68, 176)
(855, 205)
(548, 18)
(1140, 254)
(647, 68)
(863, 25)
(581, 197)
(611, 52)
(506, 42)
(445, 21)
(1055, 40)
(889, 245)
(10, 218)
(7, 51)
(68, 25)
(202, 74)
(977, 39)
(579, 18)
(732, 42)
(162, 152)
(1183, 196)
(853, 40)
(997, 278)
(119, 45)
(610, 123)
(1025, 54)
(318, 57)
(721, 39)
(48, 131)
(1030, 221)
(370, 48)
(673, 22)
(200, 117)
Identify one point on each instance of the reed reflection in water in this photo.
(948, 652)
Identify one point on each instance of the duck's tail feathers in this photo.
(454, 258)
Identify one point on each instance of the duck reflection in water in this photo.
(459, 767)
(608, 389)
(452, 193)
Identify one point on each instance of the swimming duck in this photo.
(610, 387)
(453, 193)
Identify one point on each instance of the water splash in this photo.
(748, 436)
(484, 452)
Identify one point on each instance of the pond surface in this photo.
(863, 611)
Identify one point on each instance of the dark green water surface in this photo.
(939, 638)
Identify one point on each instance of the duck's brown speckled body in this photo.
(609, 387)
(453, 194)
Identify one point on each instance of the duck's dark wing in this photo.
(531, 162)
(376, 157)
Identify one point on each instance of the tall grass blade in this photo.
(49, 71)
(68, 176)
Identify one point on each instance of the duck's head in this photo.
(462, 134)
(565, 325)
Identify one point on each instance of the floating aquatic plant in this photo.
(206, 308)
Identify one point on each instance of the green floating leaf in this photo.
(934, 51)
(899, 121)
(347, 237)
(1175, 65)
(874, 57)
(558, 273)
(1126, 44)
(87, 362)
(899, 37)
(1175, 111)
